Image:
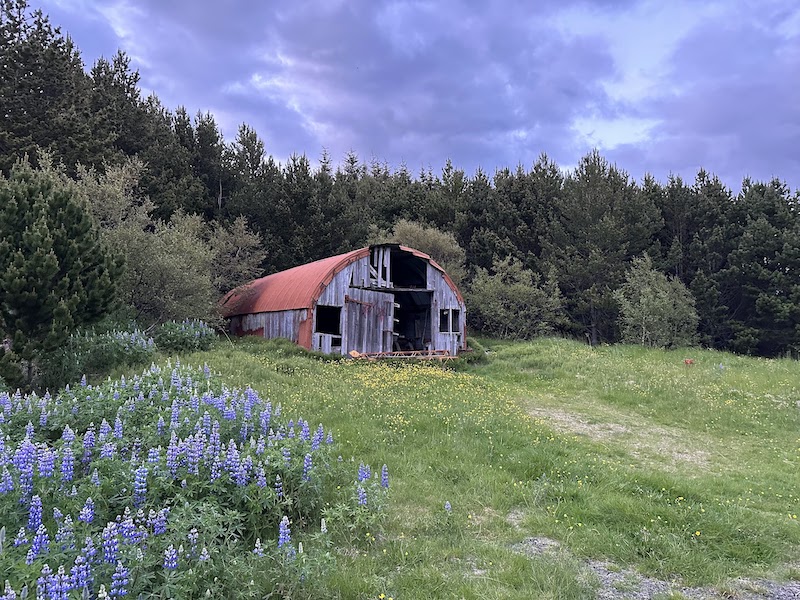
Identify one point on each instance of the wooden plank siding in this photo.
(373, 312)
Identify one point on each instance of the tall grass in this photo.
(619, 453)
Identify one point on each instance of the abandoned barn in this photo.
(384, 298)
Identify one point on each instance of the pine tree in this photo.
(55, 275)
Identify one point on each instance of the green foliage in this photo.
(184, 336)
(513, 302)
(96, 353)
(216, 514)
(237, 255)
(439, 245)
(655, 310)
(55, 273)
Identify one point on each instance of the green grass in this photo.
(618, 453)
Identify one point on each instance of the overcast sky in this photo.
(660, 87)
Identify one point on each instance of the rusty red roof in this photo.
(299, 287)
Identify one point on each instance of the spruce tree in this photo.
(55, 275)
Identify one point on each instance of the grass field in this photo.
(551, 454)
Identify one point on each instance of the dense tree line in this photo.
(569, 238)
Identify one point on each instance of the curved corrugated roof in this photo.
(299, 287)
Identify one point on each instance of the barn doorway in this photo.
(412, 320)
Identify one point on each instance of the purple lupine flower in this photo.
(29, 430)
(261, 445)
(170, 558)
(192, 536)
(265, 418)
(242, 475)
(258, 550)
(95, 478)
(216, 469)
(175, 380)
(119, 581)
(207, 423)
(139, 486)
(174, 418)
(204, 555)
(158, 521)
(60, 585)
(67, 463)
(128, 530)
(81, 574)
(160, 425)
(22, 537)
(46, 462)
(261, 477)
(307, 465)
(305, 431)
(118, 428)
(194, 452)
(154, 455)
(105, 429)
(287, 455)
(362, 496)
(385, 477)
(232, 458)
(35, 513)
(319, 435)
(68, 436)
(290, 434)
(65, 534)
(6, 482)
(284, 533)
(329, 439)
(364, 472)
(110, 543)
(194, 401)
(173, 450)
(39, 546)
(24, 459)
(278, 486)
(447, 506)
(108, 450)
(43, 582)
(89, 550)
(83, 381)
(89, 438)
(8, 592)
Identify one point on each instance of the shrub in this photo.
(655, 310)
(90, 353)
(170, 485)
(513, 302)
(184, 336)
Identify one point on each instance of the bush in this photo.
(655, 310)
(184, 336)
(91, 353)
(513, 302)
(170, 485)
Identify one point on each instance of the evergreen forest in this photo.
(111, 201)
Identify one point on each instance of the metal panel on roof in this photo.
(300, 286)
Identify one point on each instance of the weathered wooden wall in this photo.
(284, 324)
(366, 320)
(445, 298)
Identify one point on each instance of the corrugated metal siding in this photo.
(445, 298)
(284, 324)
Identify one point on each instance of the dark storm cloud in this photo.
(733, 106)
(486, 84)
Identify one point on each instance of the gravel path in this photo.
(626, 584)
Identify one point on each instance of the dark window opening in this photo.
(444, 321)
(329, 319)
(455, 325)
(409, 271)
